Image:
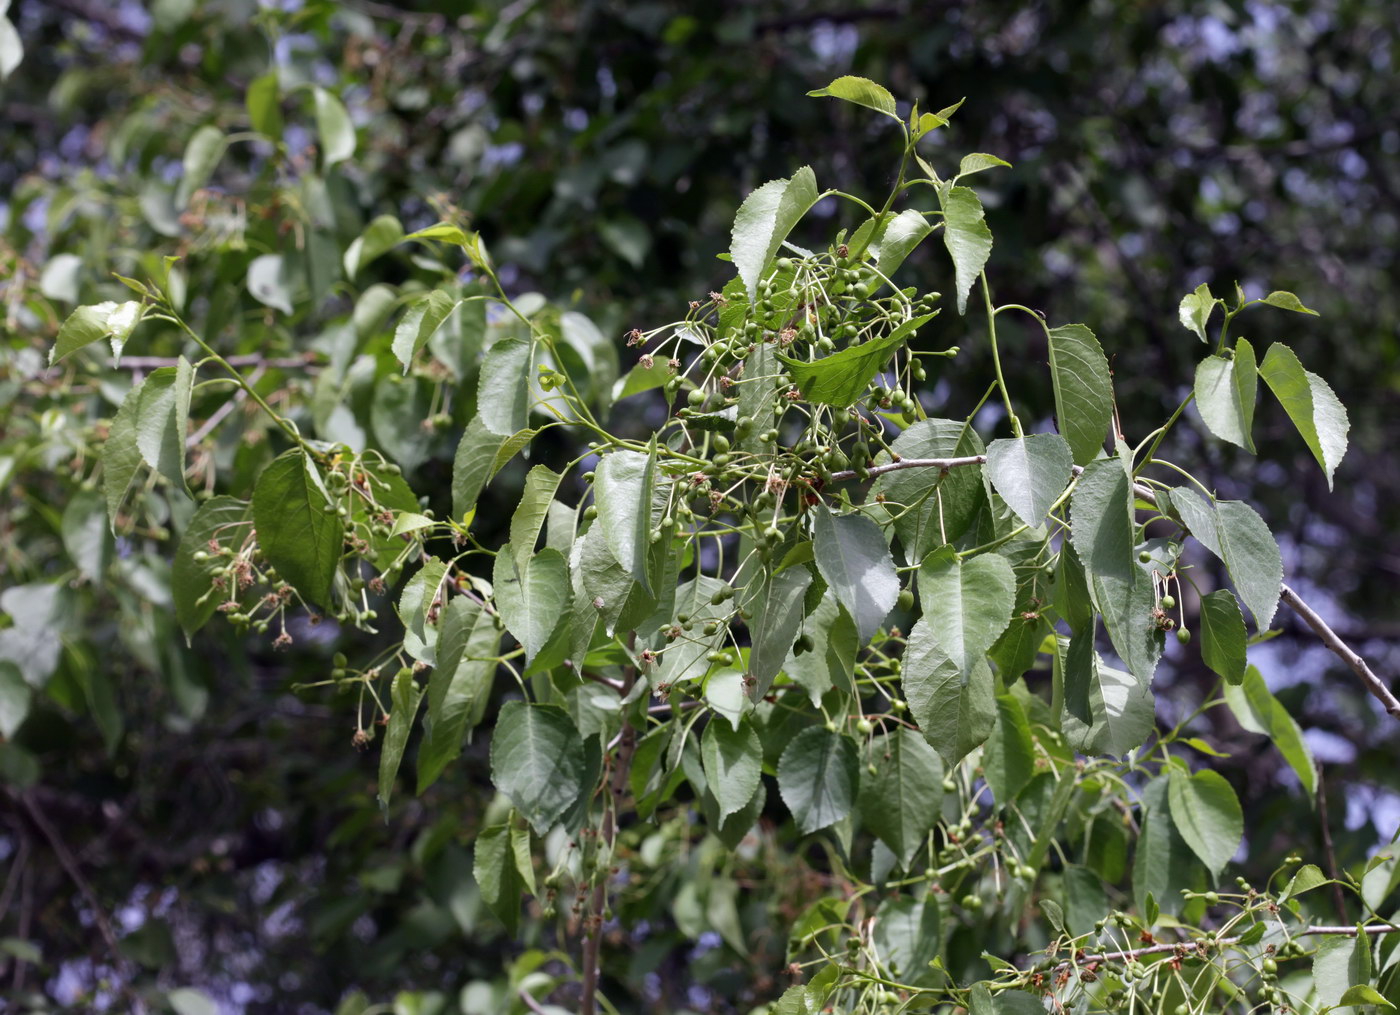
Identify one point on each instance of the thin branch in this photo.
(1187, 948)
(617, 786)
(1333, 641)
(909, 463)
(70, 866)
(221, 413)
(249, 360)
(1338, 899)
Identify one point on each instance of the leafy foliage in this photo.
(717, 609)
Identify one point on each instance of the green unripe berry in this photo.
(696, 398)
(339, 661)
(864, 727)
(1145, 556)
(590, 512)
(972, 902)
(949, 786)
(1183, 636)
(1168, 602)
(1269, 966)
(1212, 898)
(905, 600)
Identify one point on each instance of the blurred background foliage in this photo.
(178, 817)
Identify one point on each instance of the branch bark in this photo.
(617, 787)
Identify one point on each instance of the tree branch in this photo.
(1187, 947)
(617, 786)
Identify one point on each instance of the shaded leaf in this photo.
(223, 520)
(817, 777)
(334, 128)
(1083, 390)
(468, 642)
(298, 535)
(537, 759)
(899, 801)
(1207, 813)
(967, 603)
(733, 760)
(533, 600)
(1225, 393)
(503, 389)
(1030, 473)
(1101, 520)
(1223, 636)
(852, 556)
(405, 696)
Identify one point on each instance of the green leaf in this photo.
(1208, 816)
(121, 458)
(841, 378)
(817, 777)
(270, 282)
(955, 713)
(299, 536)
(1008, 759)
(533, 600)
(1225, 392)
(1083, 390)
(333, 126)
(968, 603)
(1341, 963)
(778, 618)
(86, 537)
(1195, 310)
(1101, 520)
(623, 490)
(852, 556)
(1315, 410)
(1073, 600)
(898, 238)
(1362, 993)
(503, 390)
(468, 643)
(11, 48)
(976, 162)
(967, 237)
(1223, 635)
(764, 221)
(899, 802)
(908, 934)
(1030, 473)
(222, 520)
(380, 236)
(1120, 703)
(421, 596)
(14, 698)
(162, 420)
(1005, 1002)
(480, 455)
(202, 155)
(861, 91)
(1164, 864)
(934, 507)
(537, 759)
(1235, 533)
(541, 483)
(497, 875)
(685, 659)
(189, 1001)
(733, 760)
(264, 105)
(405, 698)
(1309, 876)
(92, 323)
(831, 660)
(1257, 710)
(1287, 301)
